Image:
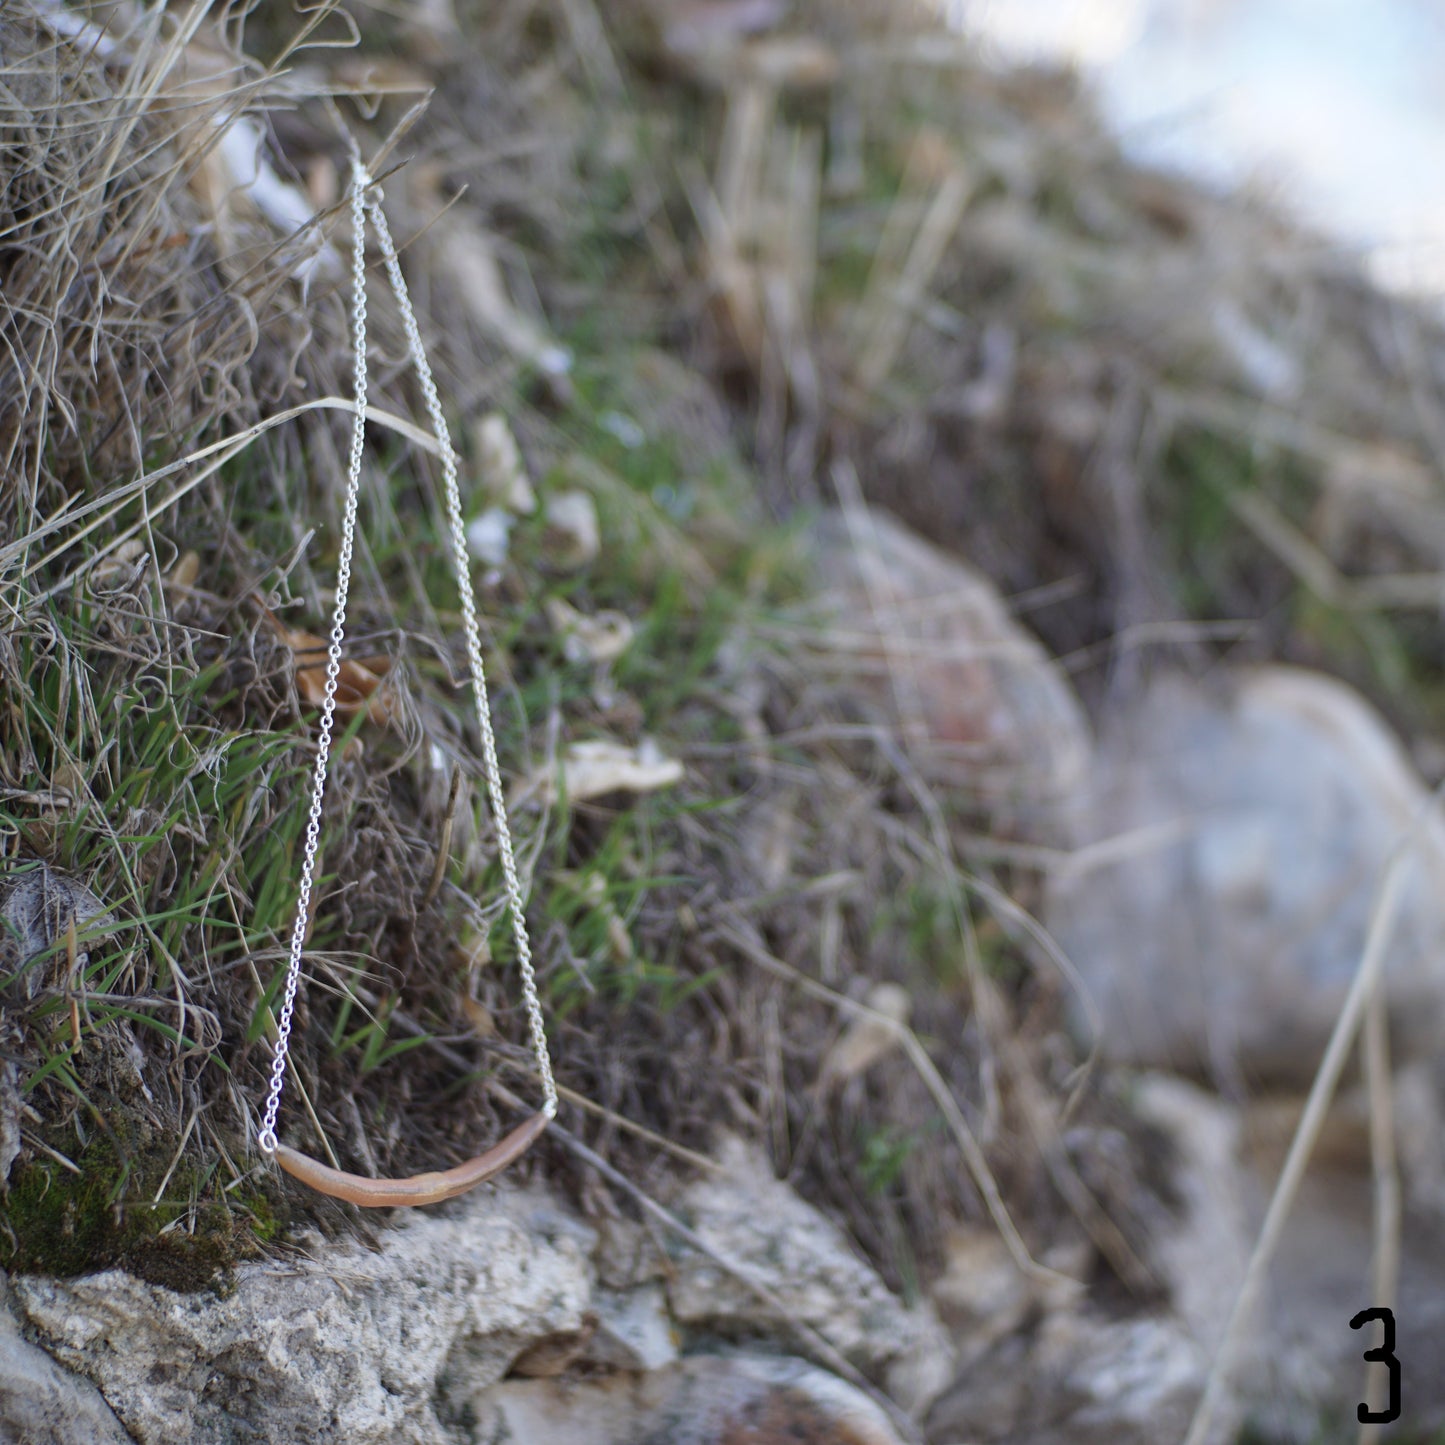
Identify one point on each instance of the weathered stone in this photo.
(42, 1403)
(981, 1294)
(756, 1222)
(37, 905)
(1200, 1244)
(1321, 1275)
(351, 1345)
(1117, 1382)
(703, 1400)
(407, 1342)
(1084, 1380)
(634, 1330)
(1240, 837)
(973, 694)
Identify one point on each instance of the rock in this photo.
(42, 1403)
(1216, 1165)
(9, 1117)
(37, 906)
(1083, 1380)
(489, 536)
(981, 1295)
(974, 695)
(753, 1220)
(1121, 1381)
(703, 1400)
(1239, 839)
(634, 1330)
(1319, 1279)
(352, 1345)
(1200, 1246)
(1074, 1375)
(629, 1254)
(411, 1339)
(573, 535)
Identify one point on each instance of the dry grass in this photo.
(108, 278)
(160, 733)
(968, 298)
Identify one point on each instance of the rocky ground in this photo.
(964, 621)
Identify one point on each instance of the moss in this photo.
(57, 1222)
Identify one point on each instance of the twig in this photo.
(1385, 1266)
(463, 1065)
(176, 1158)
(444, 843)
(968, 1145)
(36, 1143)
(1306, 1133)
(812, 1338)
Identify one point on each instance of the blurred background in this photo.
(1333, 109)
(957, 507)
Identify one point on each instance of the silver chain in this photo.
(366, 201)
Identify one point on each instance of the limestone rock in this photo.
(974, 695)
(1321, 1275)
(1083, 1380)
(755, 1221)
(1135, 1380)
(981, 1294)
(37, 906)
(352, 1345)
(411, 1341)
(1200, 1246)
(42, 1403)
(634, 1330)
(1239, 839)
(703, 1400)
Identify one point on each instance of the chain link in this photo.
(366, 201)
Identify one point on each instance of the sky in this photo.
(1337, 107)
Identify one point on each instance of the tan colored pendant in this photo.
(434, 1187)
(430, 1188)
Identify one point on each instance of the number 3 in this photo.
(1385, 1355)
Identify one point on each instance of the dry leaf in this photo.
(600, 638)
(866, 1040)
(472, 951)
(184, 573)
(573, 537)
(236, 182)
(122, 566)
(361, 684)
(464, 258)
(791, 62)
(504, 474)
(479, 1016)
(323, 182)
(593, 769)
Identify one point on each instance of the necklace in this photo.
(428, 1188)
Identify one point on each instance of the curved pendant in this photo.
(420, 1188)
